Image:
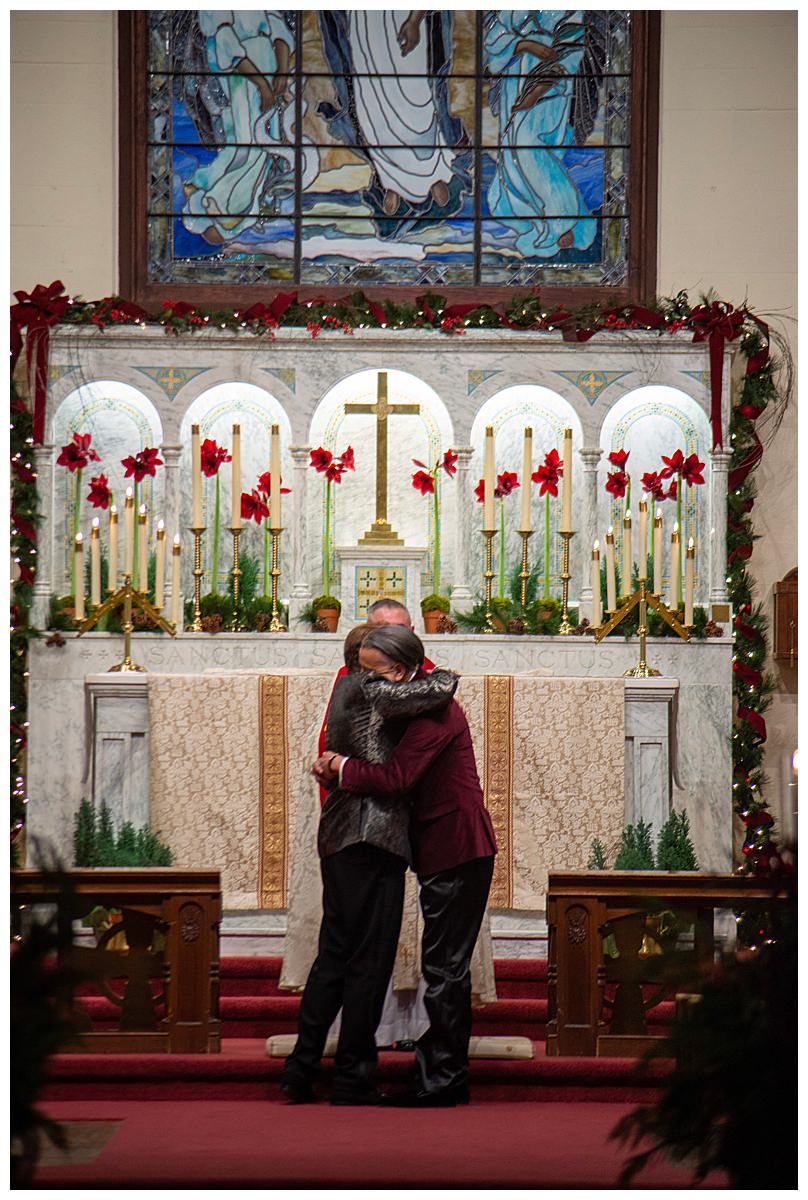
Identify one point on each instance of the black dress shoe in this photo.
(444, 1098)
(298, 1091)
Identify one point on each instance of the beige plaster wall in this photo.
(727, 212)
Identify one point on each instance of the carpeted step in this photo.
(244, 1072)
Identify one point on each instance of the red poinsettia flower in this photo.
(619, 458)
(99, 493)
(692, 470)
(507, 482)
(78, 453)
(321, 459)
(265, 482)
(448, 464)
(253, 507)
(616, 483)
(675, 464)
(142, 464)
(212, 456)
(423, 481)
(347, 459)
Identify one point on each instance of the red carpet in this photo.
(272, 1145)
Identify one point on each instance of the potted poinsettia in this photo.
(426, 482)
(327, 607)
(76, 455)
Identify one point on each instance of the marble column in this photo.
(719, 468)
(300, 593)
(462, 593)
(42, 460)
(590, 457)
(172, 509)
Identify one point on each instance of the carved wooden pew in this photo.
(156, 965)
(622, 941)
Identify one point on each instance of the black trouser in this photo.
(363, 899)
(453, 904)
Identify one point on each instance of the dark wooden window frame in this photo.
(133, 180)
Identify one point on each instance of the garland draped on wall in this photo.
(712, 321)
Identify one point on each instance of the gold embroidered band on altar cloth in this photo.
(498, 781)
(274, 801)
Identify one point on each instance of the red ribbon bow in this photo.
(45, 306)
(716, 323)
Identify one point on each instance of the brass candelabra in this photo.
(196, 624)
(275, 625)
(565, 628)
(488, 575)
(643, 598)
(124, 597)
(524, 574)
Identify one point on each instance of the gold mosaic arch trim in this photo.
(498, 782)
(274, 800)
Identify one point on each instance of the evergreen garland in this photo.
(759, 395)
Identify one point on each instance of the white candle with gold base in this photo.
(597, 615)
(160, 567)
(129, 534)
(275, 479)
(611, 584)
(642, 536)
(658, 554)
(95, 562)
(690, 580)
(196, 479)
(176, 594)
(566, 485)
(143, 551)
(673, 594)
(78, 599)
(626, 564)
(489, 480)
(525, 521)
(235, 477)
(112, 573)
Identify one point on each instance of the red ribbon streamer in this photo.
(716, 323)
(754, 719)
(36, 312)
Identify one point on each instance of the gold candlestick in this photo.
(565, 628)
(488, 573)
(275, 625)
(643, 598)
(524, 574)
(196, 624)
(237, 623)
(124, 596)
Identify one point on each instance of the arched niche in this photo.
(649, 422)
(548, 414)
(216, 410)
(424, 435)
(122, 421)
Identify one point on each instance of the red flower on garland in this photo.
(265, 481)
(253, 507)
(549, 473)
(619, 458)
(616, 483)
(321, 459)
(99, 494)
(78, 453)
(423, 481)
(507, 482)
(212, 456)
(142, 464)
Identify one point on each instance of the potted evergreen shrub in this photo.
(327, 609)
(433, 607)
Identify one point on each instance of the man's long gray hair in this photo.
(398, 644)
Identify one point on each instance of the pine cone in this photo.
(320, 625)
(516, 625)
(713, 630)
(213, 623)
(262, 621)
(445, 624)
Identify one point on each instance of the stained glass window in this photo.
(386, 147)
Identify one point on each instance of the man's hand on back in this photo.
(326, 768)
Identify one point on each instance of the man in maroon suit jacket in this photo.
(453, 850)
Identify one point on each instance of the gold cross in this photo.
(381, 530)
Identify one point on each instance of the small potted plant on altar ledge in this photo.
(326, 610)
(432, 609)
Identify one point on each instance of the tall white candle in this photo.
(658, 554)
(597, 615)
(566, 485)
(176, 594)
(489, 479)
(525, 523)
(690, 579)
(236, 478)
(673, 596)
(143, 551)
(95, 562)
(160, 566)
(129, 534)
(112, 574)
(627, 561)
(611, 585)
(642, 550)
(79, 597)
(196, 479)
(275, 479)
